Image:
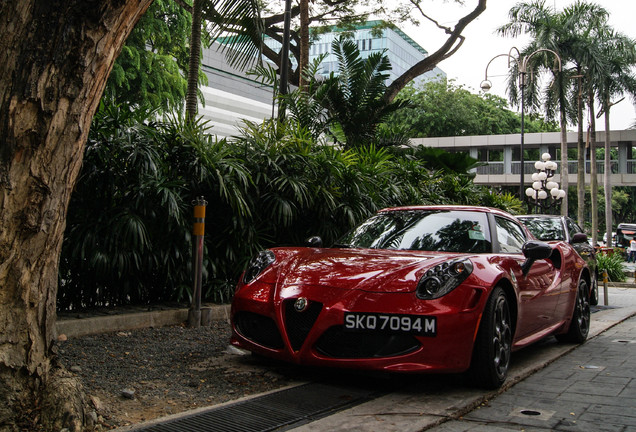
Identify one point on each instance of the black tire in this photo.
(491, 354)
(580, 324)
(594, 291)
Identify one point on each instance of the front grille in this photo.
(259, 329)
(338, 343)
(299, 324)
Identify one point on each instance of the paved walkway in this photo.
(593, 388)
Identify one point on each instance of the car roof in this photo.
(627, 225)
(539, 216)
(480, 209)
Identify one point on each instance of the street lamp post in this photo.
(522, 64)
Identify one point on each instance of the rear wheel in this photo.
(491, 356)
(580, 324)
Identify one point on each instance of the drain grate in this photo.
(293, 406)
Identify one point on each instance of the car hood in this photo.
(364, 269)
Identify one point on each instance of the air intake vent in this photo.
(299, 324)
(259, 329)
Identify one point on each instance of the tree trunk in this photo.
(607, 177)
(56, 57)
(593, 170)
(304, 40)
(580, 175)
(564, 164)
(194, 60)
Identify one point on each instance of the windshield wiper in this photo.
(342, 245)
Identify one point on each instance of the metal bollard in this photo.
(605, 277)
(198, 232)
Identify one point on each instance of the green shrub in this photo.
(613, 264)
(128, 237)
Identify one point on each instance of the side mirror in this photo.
(314, 241)
(534, 250)
(579, 238)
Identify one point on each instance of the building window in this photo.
(495, 155)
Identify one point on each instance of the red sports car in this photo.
(414, 289)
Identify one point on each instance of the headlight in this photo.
(257, 264)
(443, 278)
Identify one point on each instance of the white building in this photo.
(231, 96)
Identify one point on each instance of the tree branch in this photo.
(450, 47)
(184, 5)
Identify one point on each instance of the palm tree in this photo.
(582, 22)
(354, 98)
(571, 33)
(545, 27)
(618, 54)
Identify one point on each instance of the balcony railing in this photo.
(497, 168)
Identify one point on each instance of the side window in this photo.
(573, 228)
(510, 235)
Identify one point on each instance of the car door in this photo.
(538, 290)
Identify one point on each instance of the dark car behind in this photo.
(563, 228)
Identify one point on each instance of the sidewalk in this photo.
(535, 383)
(593, 388)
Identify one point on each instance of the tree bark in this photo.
(580, 175)
(194, 60)
(564, 163)
(55, 58)
(304, 41)
(593, 170)
(607, 177)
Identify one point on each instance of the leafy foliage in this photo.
(441, 108)
(348, 106)
(613, 264)
(355, 97)
(128, 233)
(151, 68)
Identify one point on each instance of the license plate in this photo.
(413, 324)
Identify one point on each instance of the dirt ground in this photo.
(139, 375)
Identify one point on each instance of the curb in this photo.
(133, 321)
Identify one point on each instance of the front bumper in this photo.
(265, 321)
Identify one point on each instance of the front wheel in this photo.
(594, 291)
(580, 324)
(491, 354)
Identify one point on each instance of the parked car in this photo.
(562, 228)
(625, 232)
(414, 289)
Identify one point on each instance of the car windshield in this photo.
(444, 231)
(545, 229)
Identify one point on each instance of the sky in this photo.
(468, 65)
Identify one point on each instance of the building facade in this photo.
(501, 162)
(402, 51)
(231, 96)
